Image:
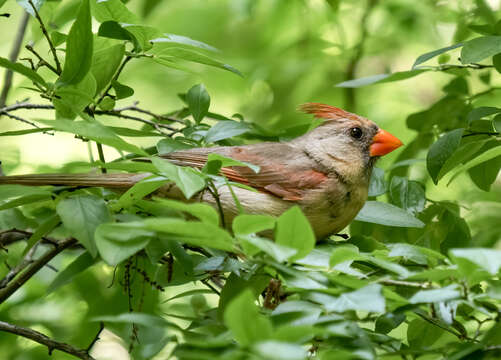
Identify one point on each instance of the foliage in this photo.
(418, 276)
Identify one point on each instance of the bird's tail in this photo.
(116, 181)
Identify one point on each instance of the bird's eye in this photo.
(356, 132)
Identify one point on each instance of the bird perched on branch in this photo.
(326, 171)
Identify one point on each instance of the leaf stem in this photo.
(46, 34)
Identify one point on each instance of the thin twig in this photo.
(482, 133)
(157, 126)
(15, 117)
(26, 105)
(44, 340)
(391, 282)
(6, 292)
(115, 78)
(41, 60)
(46, 34)
(11, 236)
(156, 116)
(101, 157)
(14, 53)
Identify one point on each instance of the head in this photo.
(352, 141)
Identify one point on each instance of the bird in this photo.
(326, 172)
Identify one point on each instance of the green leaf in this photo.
(193, 56)
(23, 200)
(245, 224)
(25, 132)
(71, 100)
(245, 322)
(57, 38)
(380, 78)
(278, 252)
(191, 232)
(377, 184)
(277, 350)
(43, 229)
(343, 253)
(105, 63)
(386, 214)
(79, 46)
(441, 150)
(294, 231)
(464, 152)
(80, 264)
(146, 320)
(485, 174)
(117, 242)
(488, 259)
(481, 112)
(223, 161)
(168, 145)
(94, 131)
(183, 40)
(23, 70)
(368, 298)
(189, 180)
(429, 55)
(139, 190)
(113, 10)
(480, 48)
(226, 129)
(81, 215)
(198, 100)
(204, 212)
(485, 156)
(436, 295)
(407, 194)
(122, 91)
(422, 334)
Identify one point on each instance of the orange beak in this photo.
(383, 143)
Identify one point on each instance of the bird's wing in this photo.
(284, 171)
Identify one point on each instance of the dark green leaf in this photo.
(480, 48)
(407, 194)
(105, 63)
(189, 180)
(198, 100)
(429, 55)
(168, 145)
(80, 264)
(294, 231)
(442, 150)
(122, 91)
(78, 47)
(226, 129)
(81, 215)
(377, 184)
(243, 319)
(117, 242)
(386, 214)
(481, 112)
(205, 213)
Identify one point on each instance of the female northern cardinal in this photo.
(326, 171)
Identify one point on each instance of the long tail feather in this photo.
(117, 181)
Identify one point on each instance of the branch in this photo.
(44, 340)
(46, 34)
(14, 53)
(6, 292)
(28, 259)
(115, 113)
